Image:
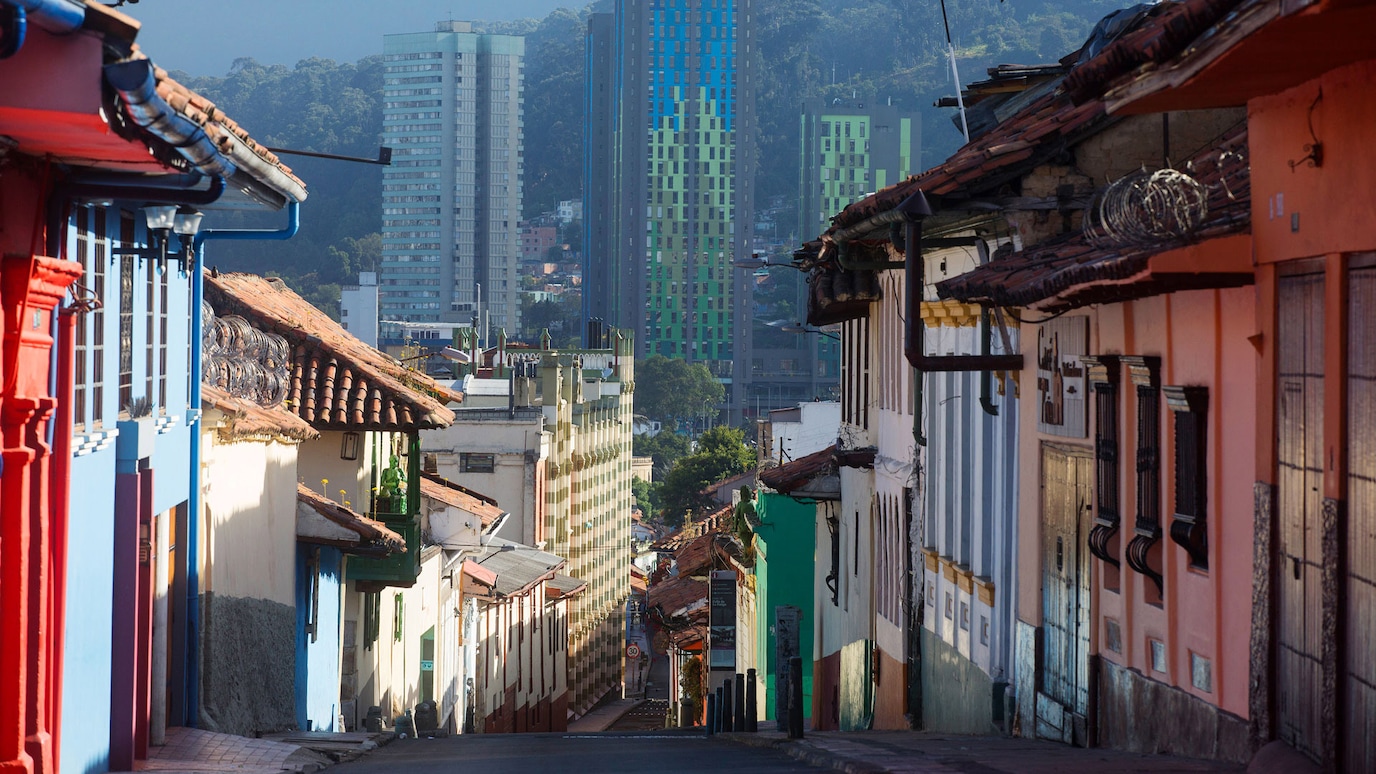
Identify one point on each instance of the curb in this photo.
(802, 750)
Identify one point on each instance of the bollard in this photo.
(739, 715)
(752, 711)
(795, 698)
(711, 713)
(720, 715)
(727, 722)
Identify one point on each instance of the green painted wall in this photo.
(785, 550)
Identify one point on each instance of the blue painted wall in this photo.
(90, 566)
(317, 662)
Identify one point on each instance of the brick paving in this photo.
(194, 751)
(906, 752)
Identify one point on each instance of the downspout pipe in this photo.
(134, 81)
(59, 17)
(16, 28)
(191, 690)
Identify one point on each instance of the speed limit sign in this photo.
(633, 651)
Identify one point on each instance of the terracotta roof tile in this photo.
(463, 498)
(675, 595)
(368, 530)
(337, 381)
(244, 418)
(791, 475)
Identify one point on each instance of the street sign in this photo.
(633, 651)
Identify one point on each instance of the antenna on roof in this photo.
(951, 50)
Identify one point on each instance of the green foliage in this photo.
(665, 448)
(692, 681)
(559, 315)
(646, 497)
(721, 453)
(671, 390)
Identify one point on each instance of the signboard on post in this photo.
(721, 642)
(787, 620)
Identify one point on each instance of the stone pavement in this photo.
(194, 751)
(603, 716)
(910, 752)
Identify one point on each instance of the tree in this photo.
(646, 498)
(672, 390)
(721, 453)
(664, 448)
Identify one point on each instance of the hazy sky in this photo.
(203, 37)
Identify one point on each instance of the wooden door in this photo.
(1357, 712)
(1299, 512)
(1067, 492)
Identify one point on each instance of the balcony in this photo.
(395, 569)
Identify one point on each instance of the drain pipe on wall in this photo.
(193, 520)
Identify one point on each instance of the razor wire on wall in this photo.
(242, 360)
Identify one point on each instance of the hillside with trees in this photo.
(838, 49)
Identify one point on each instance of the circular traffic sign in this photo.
(633, 651)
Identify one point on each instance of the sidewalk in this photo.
(910, 752)
(193, 751)
(603, 716)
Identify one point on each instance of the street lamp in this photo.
(163, 220)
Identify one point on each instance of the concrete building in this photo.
(452, 112)
(358, 308)
(548, 435)
(668, 184)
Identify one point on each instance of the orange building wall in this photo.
(1202, 339)
(1333, 216)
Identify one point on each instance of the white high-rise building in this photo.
(358, 308)
(451, 200)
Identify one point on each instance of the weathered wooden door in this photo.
(1358, 691)
(1299, 512)
(1067, 491)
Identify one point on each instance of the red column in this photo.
(30, 287)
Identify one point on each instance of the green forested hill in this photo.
(877, 49)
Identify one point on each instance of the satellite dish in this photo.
(607, 372)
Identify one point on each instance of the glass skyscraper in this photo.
(669, 179)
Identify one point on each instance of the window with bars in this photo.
(126, 314)
(162, 339)
(1104, 373)
(80, 388)
(1145, 373)
(149, 319)
(1189, 528)
(100, 255)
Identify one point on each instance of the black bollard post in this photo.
(711, 713)
(721, 707)
(739, 715)
(752, 711)
(795, 698)
(727, 721)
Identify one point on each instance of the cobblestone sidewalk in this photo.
(906, 752)
(193, 751)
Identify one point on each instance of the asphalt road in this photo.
(656, 751)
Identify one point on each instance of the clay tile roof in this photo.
(449, 493)
(221, 129)
(479, 573)
(1166, 30)
(1069, 272)
(337, 381)
(692, 530)
(245, 419)
(368, 530)
(794, 474)
(675, 595)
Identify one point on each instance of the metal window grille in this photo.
(1189, 528)
(1147, 526)
(80, 389)
(126, 313)
(100, 254)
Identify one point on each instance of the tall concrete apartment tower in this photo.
(669, 179)
(451, 201)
